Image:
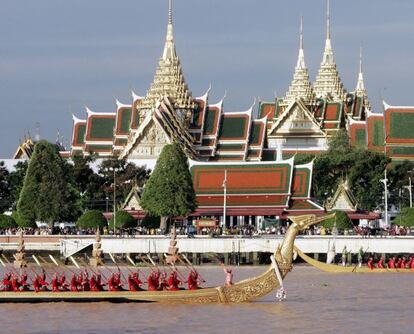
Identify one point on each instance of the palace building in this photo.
(300, 122)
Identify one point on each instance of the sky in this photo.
(58, 56)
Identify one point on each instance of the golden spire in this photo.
(300, 86)
(328, 82)
(168, 79)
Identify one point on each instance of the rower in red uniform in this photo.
(193, 280)
(62, 283)
(74, 283)
(409, 263)
(42, 281)
(15, 283)
(163, 282)
(7, 283)
(85, 283)
(99, 283)
(55, 283)
(380, 263)
(114, 282)
(173, 281)
(391, 262)
(132, 284)
(153, 281)
(397, 265)
(402, 263)
(138, 282)
(36, 284)
(370, 263)
(24, 285)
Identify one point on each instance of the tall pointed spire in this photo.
(169, 47)
(360, 88)
(328, 82)
(300, 86)
(169, 79)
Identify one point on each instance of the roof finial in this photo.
(360, 88)
(169, 11)
(301, 33)
(328, 20)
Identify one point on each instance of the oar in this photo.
(175, 268)
(119, 270)
(191, 266)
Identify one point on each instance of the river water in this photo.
(316, 302)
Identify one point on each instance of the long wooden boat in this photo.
(333, 268)
(243, 291)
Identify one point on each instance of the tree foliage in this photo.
(405, 218)
(363, 169)
(23, 223)
(5, 201)
(127, 175)
(123, 220)
(92, 219)
(7, 222)
(341, 220)
(15, 179)
(169, 191)
(47, 196)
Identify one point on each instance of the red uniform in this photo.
(391, 263)
(36, 284)
(380, 263)
(15, 283)
(163, 281)
(74, 283)
(193, 280)
(62, 283)
(398, 263)
(153, 281)
(132, 285)
(55, 284)
(173, 281)
(7, 286)
(370, 263)
(24, 286)
(402, 263)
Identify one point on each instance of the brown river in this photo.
(316, 302)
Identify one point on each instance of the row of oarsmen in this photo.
(393, 263)
(83, 281)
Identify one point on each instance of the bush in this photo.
(405, 218)
(342, 221)
(92, 219)
(7, 222)
(123, 220)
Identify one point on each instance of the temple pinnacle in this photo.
(300, 87)
(360, 88)
(169, 11)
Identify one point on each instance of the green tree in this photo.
(46, 194)
(23, 223)
(341, 219)
(123, 220)
(5, 201)
(127, 175)
(15, 179)
(7, 222)
(405, 218)
(364, 170)
(169, 191)
(92, 219)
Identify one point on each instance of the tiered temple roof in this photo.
(262, 188)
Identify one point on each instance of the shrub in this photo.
(92, 219)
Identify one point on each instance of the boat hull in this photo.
(332, 268)
(243, 291)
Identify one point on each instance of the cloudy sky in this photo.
(56, 56)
